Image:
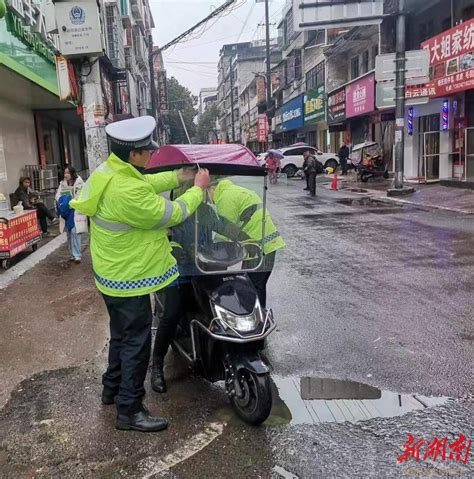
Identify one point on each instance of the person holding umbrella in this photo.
(273, 163)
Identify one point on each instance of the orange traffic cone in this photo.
(334, 182)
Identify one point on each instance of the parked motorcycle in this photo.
(224, 331)
(368, 161)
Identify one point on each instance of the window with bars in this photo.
(290, 27)
(298, 65)
(364, 68)
(294, 67)
(316, 76)
(354, 67)
(115, 36)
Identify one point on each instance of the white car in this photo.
(293, 159)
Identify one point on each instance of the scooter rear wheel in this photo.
(255, 404)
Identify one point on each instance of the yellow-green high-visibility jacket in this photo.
(244, 208)
(131, 254)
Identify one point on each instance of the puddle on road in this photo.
(319, 400)
(354, 190)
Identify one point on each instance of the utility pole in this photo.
(268, 81)
(267, 45)
(176, 40)
(151, 62)
(94, 122)
(400, 60)
(232, 97)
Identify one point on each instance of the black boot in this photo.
(158, 383)
(141, 421)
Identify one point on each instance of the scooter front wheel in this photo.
(254, 403)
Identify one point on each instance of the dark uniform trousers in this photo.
(177, 296)
(129, 350)
(312, 183)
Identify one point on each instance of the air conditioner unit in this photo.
(49, 13)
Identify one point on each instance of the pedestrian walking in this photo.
(73, 222)
(305, 171)
(343, 158)
(131, 256)
(311, 169)
(273, 164)
(30, 200)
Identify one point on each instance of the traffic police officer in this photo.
(244, 208)
(131, 256)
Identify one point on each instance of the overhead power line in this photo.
(204, 21)
(245, 23)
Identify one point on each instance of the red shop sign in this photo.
(451, 62)
(262, 128)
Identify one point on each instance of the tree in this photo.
(206, 129)
(181, 99)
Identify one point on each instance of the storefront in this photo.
(36, 128)
(315, 126)
(360, 108)
(440, 133)
(288, 123)
(336, 119)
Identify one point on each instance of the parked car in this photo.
(293, 159)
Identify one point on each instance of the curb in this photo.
(383, 199)
(11, 275)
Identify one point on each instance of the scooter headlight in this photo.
(242, 324)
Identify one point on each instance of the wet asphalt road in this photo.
(371, 293)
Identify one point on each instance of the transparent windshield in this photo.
(373, 150)
(230, 231)
(356, 155)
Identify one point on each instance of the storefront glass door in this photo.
(469, 140)
(430, 147)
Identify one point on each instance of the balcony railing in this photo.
(137, 11)
(115, 34)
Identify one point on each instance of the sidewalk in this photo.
(429, 196)
(52, 317)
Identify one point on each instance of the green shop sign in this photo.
(16, 26)
(3, 8)
(26, 53)
(314, 107)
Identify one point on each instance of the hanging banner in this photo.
(360, 96)
(314, 106)
(3, 8)
(262, 128)
(337, 106)
(451, 62)
(292, 114)
(322, 14)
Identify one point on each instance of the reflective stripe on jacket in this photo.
(244, 208)
(131, 254)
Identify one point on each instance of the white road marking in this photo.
(284, 473)
(151, 466)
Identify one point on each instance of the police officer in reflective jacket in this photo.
(131, 256)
